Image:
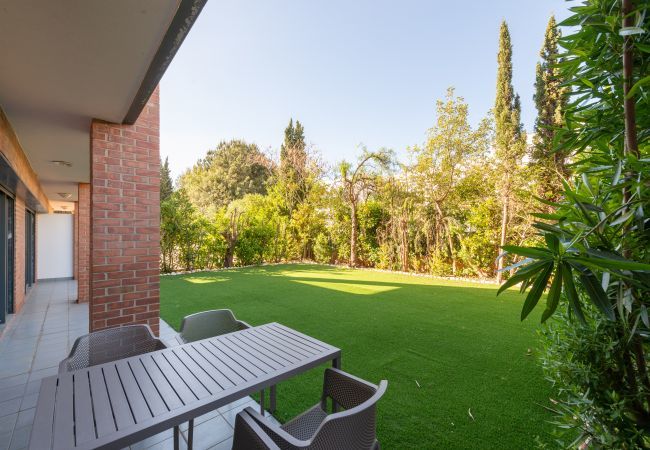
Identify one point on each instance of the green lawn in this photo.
(445, 347)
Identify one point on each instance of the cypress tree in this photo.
(292, 151)
(293, 161)
(166, 184)
(509, 136)
(550, 100)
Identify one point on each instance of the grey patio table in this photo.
(116, 404)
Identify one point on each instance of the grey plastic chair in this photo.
(207, 324)
(112, 344)
(204, 325)
(109, 345)
(354, 428)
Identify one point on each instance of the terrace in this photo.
(40, 336)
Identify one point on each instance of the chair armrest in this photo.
(242, 325)
(276, 433)
(249, 435)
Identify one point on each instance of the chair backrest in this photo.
(354, 428)
(351, 429)
(207, 324)
(109, 345)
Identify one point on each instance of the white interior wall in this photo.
(54, 245)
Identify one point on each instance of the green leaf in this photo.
(587, 82)
(622, 219)
(571, 293)
(552, 242)
(642, 82)
(553, 298)
(546, 202)
(609, 263)
(548, 216)
(522, 274)
(596, 293)
(643, 47)
(546, 227)
(529, 252)
(537, 290)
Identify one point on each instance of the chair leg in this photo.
(190, 434)
(176, 439)
(273, 399)
(262, 402)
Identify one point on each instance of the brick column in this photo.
(75, 240)
(82, 245)
(125, 221)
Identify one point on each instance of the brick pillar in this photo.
(82, 244)
(75, 240)
(125, 221)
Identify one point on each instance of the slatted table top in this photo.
(119, 403)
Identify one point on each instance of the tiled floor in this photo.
(40, 336)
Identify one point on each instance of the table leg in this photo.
(176, 439)
(262, 402)
(190, 434)
(273, 399)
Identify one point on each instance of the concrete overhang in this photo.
(66, 62)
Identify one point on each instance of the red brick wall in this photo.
(14, 154)
(19, 254)
(82, 244)
(125, 218)
(75, 240)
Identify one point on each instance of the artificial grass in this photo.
(446, 348)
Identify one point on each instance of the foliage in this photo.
(550, 100)
(324, 249)
(293, 173)
(510, 139)
(227, 173)
(594, 252)
(452, 151)
(166, 183)
(188, 239)
(358, 182)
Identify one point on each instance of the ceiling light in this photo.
(64, 207)
(65, 195)
(58, 162)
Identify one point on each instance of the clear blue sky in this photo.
(352, 72)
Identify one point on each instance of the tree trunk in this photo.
(452, 254)
(504, 225)
(353, 235)
(405, 244)
(231, 238)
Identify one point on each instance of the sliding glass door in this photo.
(30, 248)
(6, 256)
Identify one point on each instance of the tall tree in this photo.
(293, 166)
(357, 181)
(510, 140)
(166, 183)
(550, 99)
(232, 170)
(452, 148)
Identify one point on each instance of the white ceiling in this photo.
(66, 62)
